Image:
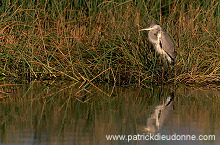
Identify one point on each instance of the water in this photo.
(63, 113)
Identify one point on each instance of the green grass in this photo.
(99, 40)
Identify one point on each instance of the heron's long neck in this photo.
(152, 36)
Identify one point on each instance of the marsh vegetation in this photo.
(99, 40)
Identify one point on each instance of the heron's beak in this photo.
(149, 28)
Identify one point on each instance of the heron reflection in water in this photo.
(160, 116)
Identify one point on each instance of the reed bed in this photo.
(99, 40)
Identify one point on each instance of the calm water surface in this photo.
(66, 114)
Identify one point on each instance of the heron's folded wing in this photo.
(167, 44)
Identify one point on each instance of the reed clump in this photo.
(99, 40)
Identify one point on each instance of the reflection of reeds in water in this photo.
(79, 40)
(50, 114)
(198, 109)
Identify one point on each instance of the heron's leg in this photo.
(165, 70)
(171, 71)
(163, 73)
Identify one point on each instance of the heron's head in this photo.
(153, 26)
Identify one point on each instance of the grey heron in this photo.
(161, 41)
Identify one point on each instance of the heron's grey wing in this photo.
(167, 44)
